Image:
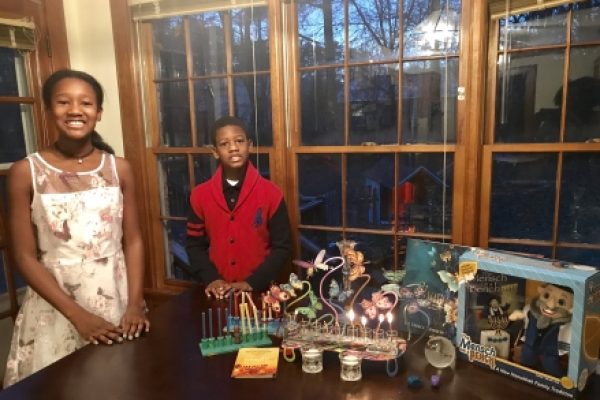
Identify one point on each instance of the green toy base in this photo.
(225, 344)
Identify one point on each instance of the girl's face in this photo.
(74, 108)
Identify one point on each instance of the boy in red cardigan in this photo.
(238, 232)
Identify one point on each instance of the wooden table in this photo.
(166, 364)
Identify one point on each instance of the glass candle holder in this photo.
(352, 332)
(350, 367)
(312, 359)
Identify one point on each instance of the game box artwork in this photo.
(429, 291)
(535, 320)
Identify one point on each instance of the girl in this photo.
(75, 236)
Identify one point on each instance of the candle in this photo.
(203, 325)
(227, 318)
(381, 317)
(230, 306)
(220, 331)
(256, 322)
(210, 331)
(270, 312)
(363, 320)
(390, 317)
(242, 319)
(350, 316)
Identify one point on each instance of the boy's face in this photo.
(232, 147)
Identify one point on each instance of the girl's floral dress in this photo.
(77, 218)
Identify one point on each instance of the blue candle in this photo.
(228, 317)
(210, 331)
(203, 325)
(220, 332)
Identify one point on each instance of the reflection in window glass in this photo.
(254, 107)
(174, 114)
(175, 185)
(423, 193)
(208, 43)
(579, 219)
(177, 262)
(320, 200)
(16, 118)
(250, 39)
(378, 250)
(429, 101)
(523, 193)
(373, 104)
(169, 48)
(529, 97)
(261, 163)
(211, 104)
(375, 30)
(580, 256)
(586, 15)
(320, 32)
(205, 166)
(311, 242)
(583, 98)
(13, 81)
(369, 191)
(533, 29)
(431, 27)
(322, 96)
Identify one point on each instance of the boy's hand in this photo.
(218, 288)
(241, 286)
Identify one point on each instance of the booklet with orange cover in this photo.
(256, 362)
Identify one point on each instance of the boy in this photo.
(238, 232)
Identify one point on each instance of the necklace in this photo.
(79, 158)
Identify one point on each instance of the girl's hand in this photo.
(134, 321)
(96, 329)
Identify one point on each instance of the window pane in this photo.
(205, 166)
(528, 97)
(208, 43)
(369, 191)
(583, 94)
(375, 29)
(311, 242)
(579, 256)
(16, 126)
(174, 114)
(523, 193)
(429, 101)
(211, 104)
(320, 31)
(579, 219)
(261, 163)
(320, 200)
(177, 262)
(534, 29)
(322, 96)
(431, 29)
(254, 107)
(250, 39)
(169, 48)
(175, 185)
(13, 81)
(586, 17)
(424, 193)
(373, 104)
(378, 250)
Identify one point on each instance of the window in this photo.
(541, 154)
(201, 66)
(376, 99)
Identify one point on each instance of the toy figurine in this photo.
(547, 328)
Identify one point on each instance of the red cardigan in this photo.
(239, 239)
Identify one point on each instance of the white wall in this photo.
(91, 49)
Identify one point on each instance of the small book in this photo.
(256, 362)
